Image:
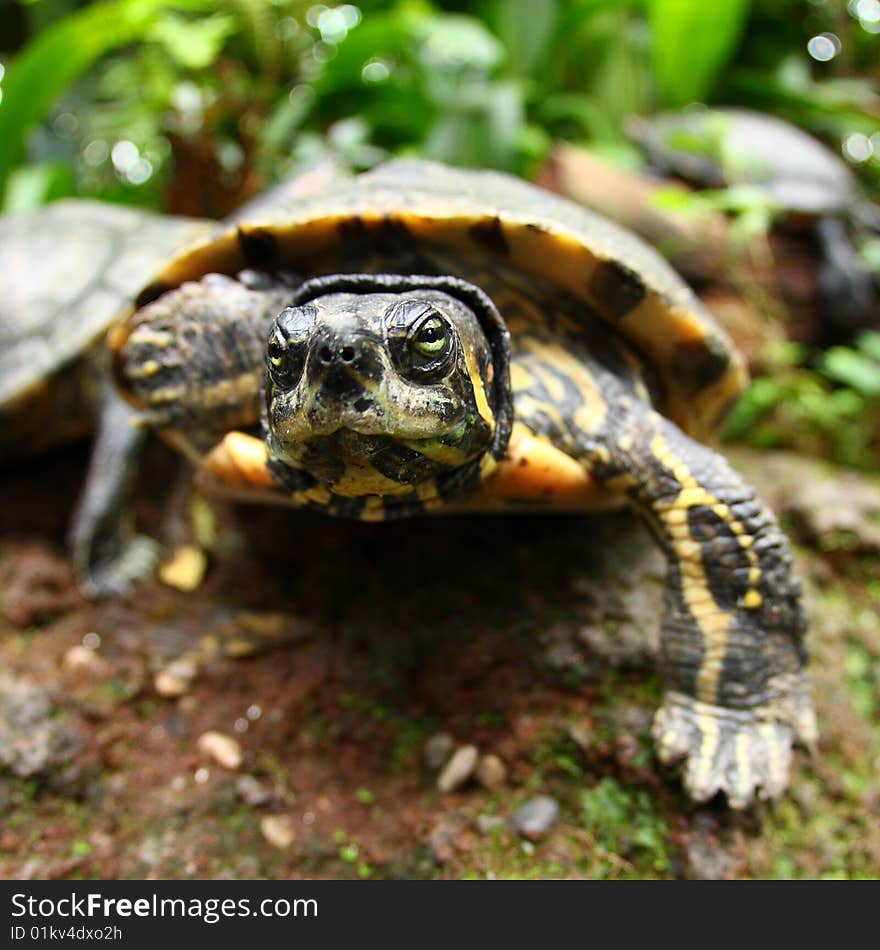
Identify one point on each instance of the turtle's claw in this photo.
(133, 561)
(744, 753)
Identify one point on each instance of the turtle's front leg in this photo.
(732, 651)
(108, 556)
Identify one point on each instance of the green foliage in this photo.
(526, 28)
(250, 88)
(59, 55)
(193, 44)
(623, 821)
(859, 367)
(826, 405)
(691, 42)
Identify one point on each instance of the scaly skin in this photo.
(732, 652)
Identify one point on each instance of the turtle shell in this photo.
(721, 147)
(66, 271)
(623, 281)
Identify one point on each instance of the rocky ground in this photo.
(452, 698)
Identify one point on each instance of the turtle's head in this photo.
(377, 384)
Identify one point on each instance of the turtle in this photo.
(421, 339)
(720, 147)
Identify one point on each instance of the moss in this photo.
(623, 821)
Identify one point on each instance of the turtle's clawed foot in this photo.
(133, 559)
(744, 753)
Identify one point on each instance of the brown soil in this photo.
(531, 638)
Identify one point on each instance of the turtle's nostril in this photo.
(347, 354)
(325, 355)
(362, 404)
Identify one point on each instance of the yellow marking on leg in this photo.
(145, 370)
(670, 736)
(743, 751)
(230, 391)
(709, 739)
(715, 628)
(714, 625)
(168, 394)
(144, 335)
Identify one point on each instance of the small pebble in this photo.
(438, 749)
(186, 568)
(486, 824)
(81, 659)
(278, 831)
(458, 769)
(536, 817)
(252, 791)
(491, 771)
(224, 750)
(175, 679)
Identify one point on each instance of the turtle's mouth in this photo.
(377, 410)
(352, 463)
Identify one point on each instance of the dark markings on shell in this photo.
(616, 289)
(351, 229)
(701, 363)
(395, 231)
(259, 246)
(150, 293)
(387, 237)
(490, 235)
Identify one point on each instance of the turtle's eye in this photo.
(284, 360)
(430, 343)
(431, 338)
(287, 345)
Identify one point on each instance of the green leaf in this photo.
(193, 44)
(58, 56)
(868, 342)
(454, 42)
(854, 369)
(505, 119)
(692, 40)
(525, 28)
(35, 185)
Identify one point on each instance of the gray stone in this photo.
(536, 817)
(252, 791)
(438, 749)
(32, 741)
